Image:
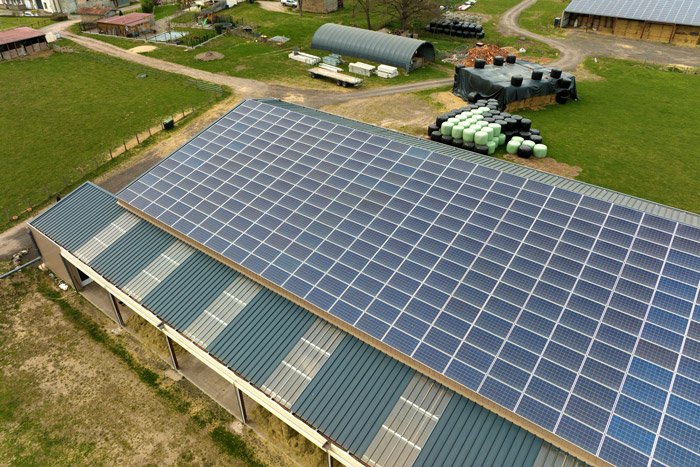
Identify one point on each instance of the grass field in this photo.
(539, 18)
(161, 11)
(66, 111)
(9, 22)
(633, 132)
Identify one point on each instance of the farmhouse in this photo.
(129, 25)
(672, 21)
(94, 14)
(22, 41)
(387, 49)
(399, 302)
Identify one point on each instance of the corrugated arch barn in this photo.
(378, 47)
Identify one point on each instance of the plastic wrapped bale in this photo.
(492, 145)
(478, 117)
(468, 145)
(482, 123)
(510, 58)
(431, 128)
(537, 139)
(539, 151)
(468, 135)
(477, 113)
(489, 132)
(496, 129)
(524, 135)
(436, 136)
(528, 142)
(512, 146)
(446, 128)
(555, 73)
(441, 119)
(481, 149)
(511, 123)
(498, 60)
(524, 151)
(484, 109)
(518, 139)
(457, 131)
(479, 63)
(536, 75)
(501, 139)
(481, 138)
(516, 81)
(446, 139)
(457, 142)
(453, 120)
(525, 124)
(534, 131)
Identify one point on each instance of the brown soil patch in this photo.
(487, 52)
(276, 6)
(240, 67)
(209, 56)
(405, 113)
(447, 101)
(143, 48)
(547, 164)
(582, 74)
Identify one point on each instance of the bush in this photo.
(218, 27)
(147, 6)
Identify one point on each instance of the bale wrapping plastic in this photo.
(529, 143)
(501, 139)
(524, 151)
(468, 135)
(446, 139)
(525, 124)
(536, 138)
(446, 128)
(489, 132)
(496, 129)
(492, 147)
(539, 151)
(512, 146)
(518, 139)
(468, 145)
(431, 128)
(457, 142)
(481, 149)
(457, 131)
(481, 137)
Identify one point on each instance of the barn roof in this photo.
(127, 20)
(19, 34)
(685, 12)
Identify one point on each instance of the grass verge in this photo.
(539, 18)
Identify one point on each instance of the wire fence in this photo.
(66, 179)
(9, 22)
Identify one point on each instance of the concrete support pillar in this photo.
(69, 269)
(173, 358)
(115, 307)
(241, 405)
(330, 459)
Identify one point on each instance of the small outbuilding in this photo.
(130, 25)
(22, 41)
(321, 6)
(93, 15)
(388, 49)
(672, 21)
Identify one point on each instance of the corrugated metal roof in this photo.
(370, 45)
(372, 405)
(130, 19)
(86, 10)
(19, 34)
(661, 11)
(502, 165)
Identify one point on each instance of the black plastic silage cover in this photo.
(493, 82)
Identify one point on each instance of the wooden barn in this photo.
(672, 21)
(94, 14)
(130, 25)
(20, 42)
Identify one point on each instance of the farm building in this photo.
(322, 6)
(672, 21)
(400, 302)
(129, 25)
(387, 49)
(20, 42)
(93, 15)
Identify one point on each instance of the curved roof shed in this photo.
(378, 47)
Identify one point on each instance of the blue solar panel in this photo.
(570, 311)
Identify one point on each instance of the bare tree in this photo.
(365, 5)
(301, 10)
(407, 12)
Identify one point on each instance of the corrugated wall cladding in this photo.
(259, 337)
(183, 295)
(470, 435)
(505, 166)
(353, 394)
(66, 218)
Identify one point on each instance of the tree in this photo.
(147, 6)
(407, 12)
(366, 5)
(299, 5)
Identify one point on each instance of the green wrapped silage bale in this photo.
(482, 123)
(478, 117)
(457, 131)
(446, 128)
(484, 109)
(481, 137)
(512, 146)
(470, 121)
(477, 112)
(454, 120)
(519, 139)
(539, 151)
(528, 142)
(501, 139)
(492, 146)
(468, 135)
(489, 131)
(496, 129)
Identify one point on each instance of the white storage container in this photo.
(362, 69)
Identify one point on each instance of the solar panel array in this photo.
(664, 11)
(577, 314)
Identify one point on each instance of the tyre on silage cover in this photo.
(524, 151)
(555, 73)
(516, 81)
(536, 75)
(479, 63)
(564, 83)
(498, 60)
(510, 58)
(539, 151)
(436, 136)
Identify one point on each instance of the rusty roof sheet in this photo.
(127, 20)
(19, 34)
(86, 10)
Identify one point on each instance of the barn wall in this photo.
(633, 29)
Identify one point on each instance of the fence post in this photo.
(124, 145)
(94, 159)
(149, 132)
(47, 192)
(183, 111)
(7, 214)
(28, 203)
(110, 153)
(137, 139)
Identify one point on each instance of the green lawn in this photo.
(161, 11)
(633, 132)
(68, 110)
(9, 22)
(539, 18)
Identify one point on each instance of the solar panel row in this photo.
(570, 311)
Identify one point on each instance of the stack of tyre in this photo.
(481, 127)
(456, 28)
